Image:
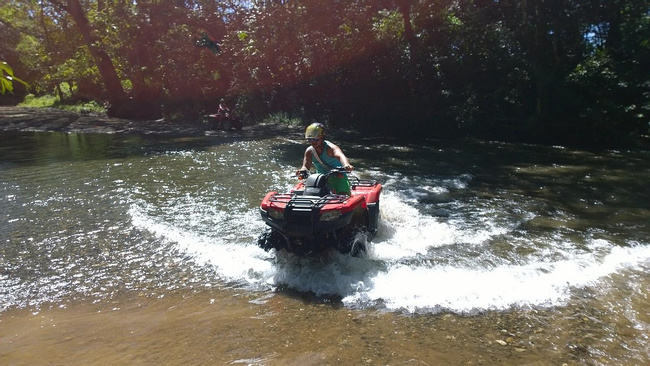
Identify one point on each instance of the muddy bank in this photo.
(56, 120)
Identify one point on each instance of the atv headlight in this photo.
(276, 214)
(330, 215)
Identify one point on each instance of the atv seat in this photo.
(316, 185)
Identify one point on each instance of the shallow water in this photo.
(140, 251)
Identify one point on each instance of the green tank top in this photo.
(330, 162)
(340, 184)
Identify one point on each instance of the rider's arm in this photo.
(306, 162)
(337, 153)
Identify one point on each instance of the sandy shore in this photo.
(223, 327)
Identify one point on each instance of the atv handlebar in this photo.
(303, 174)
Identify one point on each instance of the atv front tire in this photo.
(349, 242)
(271, 239)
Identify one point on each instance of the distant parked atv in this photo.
(223, 121)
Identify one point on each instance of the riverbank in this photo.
(29, 119)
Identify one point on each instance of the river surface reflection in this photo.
(133, 250)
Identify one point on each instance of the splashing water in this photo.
(461, 231)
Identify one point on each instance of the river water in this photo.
(136, 250)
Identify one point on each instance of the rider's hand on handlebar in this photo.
(302, 173)
(348, 168)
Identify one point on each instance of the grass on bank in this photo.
(52, 101)
(94, 108)
(283, 118)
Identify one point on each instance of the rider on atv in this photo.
(325, 156)
(223, 111)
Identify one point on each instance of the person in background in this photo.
(324, 156)
(223, 110)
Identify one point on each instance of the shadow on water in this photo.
(39, 148)
(591, 188)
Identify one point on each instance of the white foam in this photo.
(393, 275)
(474, 289)
(233, 261)
(405, 232)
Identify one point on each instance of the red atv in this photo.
(309, 219)
(224, 120)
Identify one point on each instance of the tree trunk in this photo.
(114, 91)
(405, 9)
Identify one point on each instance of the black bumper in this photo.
(305, 224)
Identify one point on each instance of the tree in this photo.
(537, 70)
(114, 91)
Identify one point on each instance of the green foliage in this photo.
(388, 25)
(91, 107)
(43, 101)
(7, 78)
(566, 72)
(52, 101)
(283, 118)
